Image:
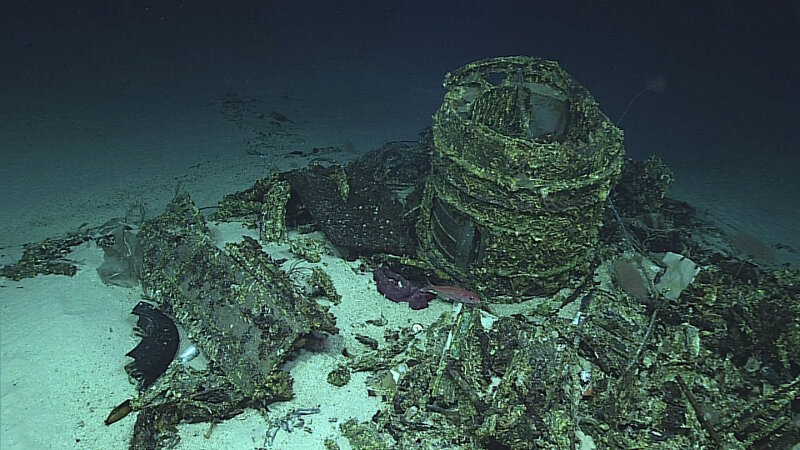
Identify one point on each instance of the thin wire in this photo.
(631, 104)
(621, 224)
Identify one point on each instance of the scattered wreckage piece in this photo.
(48, 257)
(368, 206)
(642, 186)
(236, 305)
(188, 395)
(157, 349)
(262, 206)
(474, 380)
(606, 379)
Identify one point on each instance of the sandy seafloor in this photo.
(84, 150)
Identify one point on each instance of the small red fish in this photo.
(453, 293)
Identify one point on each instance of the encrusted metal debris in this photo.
(263, 206)
(523, 161)
(236, 305)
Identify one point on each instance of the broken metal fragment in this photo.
(158, 347)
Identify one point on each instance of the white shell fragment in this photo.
(679, 274)
(188, 354)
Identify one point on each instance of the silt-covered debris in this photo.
(236, 305)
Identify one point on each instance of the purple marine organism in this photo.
(397, 288)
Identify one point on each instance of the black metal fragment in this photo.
(158, 346)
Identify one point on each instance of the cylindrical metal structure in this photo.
(523, 162)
